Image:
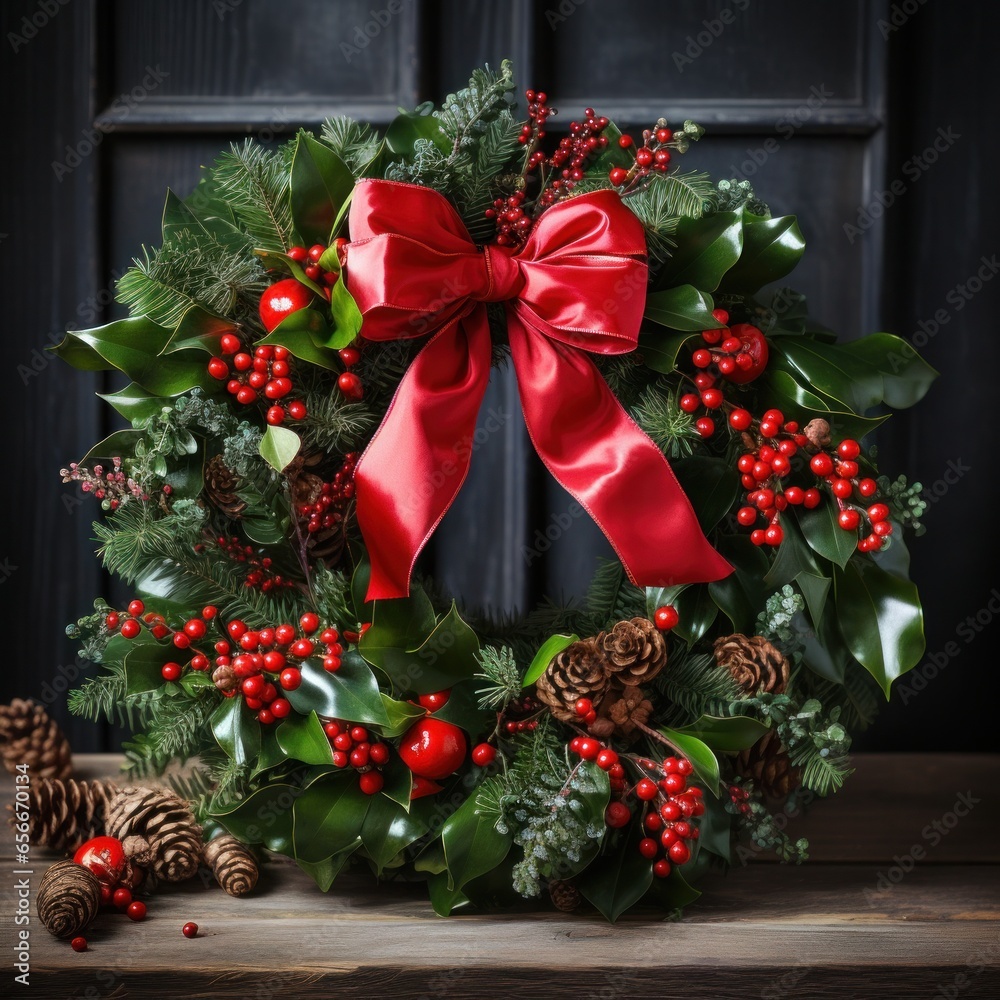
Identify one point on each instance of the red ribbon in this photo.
(577, 287)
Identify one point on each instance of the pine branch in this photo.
(334, 423)
(666, 198)
(660, 416)
(497, 147)
(694, 685)
(137, 535)
(355, 143)
(612, 597)
(501, 670)
(177, 729)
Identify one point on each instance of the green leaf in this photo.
(710, 484)
(659, 351)
(794, 557)
(706, 249)
(706, 765)
(304, 333)
(388, 829)
(400, 714)
(321, 182)
(716, 830)
(681, 308)
(742, 594)
(264, 817)
(275, 259)
(346, 317)
(236, 730)
(824, 534)
(118, 443)
(198, 330)
(143, 665)
(674, 892)
(408, 126)
(402, 623)
(196, 681)
(833, 370)
(278, 447)
(617, 880)
(815, 590)
(906, 377)
(552, 646)
(726, 734)
(462, 708)
(352, 693)
(472, 843)
(771, 248)
(328, 816)
(133, 402)
(694, 605)
(881, 620)
(301, 737)
(324, 873)
(398, 783)
(443, 898)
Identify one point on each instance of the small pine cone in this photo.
(565, 896)
(233, 864)
(818, 433)
(579, 671)
(636, 650)
(224, 678)
(64, 814)
(221, 484)
(767, 763)
(29, 736)
(166, 822)
(69, 897)
(627, 709)
(755, 663)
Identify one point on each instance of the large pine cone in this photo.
(64, 814)
(565, 896)
(69, 897)
(166, 822)
(579, 671)
(233, 864)
(756, 664)
(221, 484)
(768, 765)
(29, 736)
(636, 650)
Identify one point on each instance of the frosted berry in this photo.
(281, 300)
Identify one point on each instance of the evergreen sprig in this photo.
(660, 416)
(664, 200)
(500, 670)
(355, 143)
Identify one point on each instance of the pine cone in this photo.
(166, 822)
(818, 433)
(69, 897)
(221, 484)
(626, 708)
(64, 814)
(579, 671)
(768, 764)
(233, 864)
(756, 664)
(636, 650)
(565, 896)
(29, 736)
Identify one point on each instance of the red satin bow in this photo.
(577, 286)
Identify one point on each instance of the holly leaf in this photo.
(328, 816)
(742, 594)
(198, 330)
(462, 708)
(133, 402)
(352, 692)
(400, 714)
(682, 307)
(906, 377)
(398, 783)
(824, 534)
(617, 880)
(881, 620)
(726, 734)
(264, 817)
(409, 126)
(325, 872)
(552, 647)
(143, 666)
(443, 897)
(321, 182)
(834, 370)
(696, 611)
(472, 843)
(389, 829)
(117, 443)
(301, 737)
(304, 333)
(771, 248)
(278, 447)
(236, 730)
(706, 765)
(711, 486)
(706, 249)
(660, 351)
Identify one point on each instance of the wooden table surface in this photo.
(858, 920)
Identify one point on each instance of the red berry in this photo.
(821, 464)
(281, 300)
(315, 252)
(190, 930)
(680, 853)
(685, 767)
(617, 815)
(721, 317)
(661, 869)
(644, 157)
(882, 528)
(740, 420)
(218, 369)
(701, 358)
(646, 789)
(435, 700)
(379, 754)
(774, 535)
(309, 622)
(878, 512)
(705, 426)
(283, 634)
(768, 428)
(712, 398)
(751, 360)
(849, 449)
(331, 664)
(811, 498)
(666, 618)
(849, 519)
(275, 416)
(758, 536)
(303, 648)
(589, 749)
(583, 706)
(340, 759)
(867, 487)
(121, 898)
(842, 488)
(136, 910)
(726, 365)
(350, 356)
(649, 848)
(689, 402)
(847, 469)
(484, 755)
(371, 782)
(618, 176)
(607, 759)
(704, 381)
(136, 608)
(265, 717)
(297, 409)
(290, 679)
(170, 671)
(433, 748)
(130, 628)
(78, 944)
(747, 516)
(674, 783)
(298, 253)
(350, 385)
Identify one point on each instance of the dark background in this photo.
(107, 104)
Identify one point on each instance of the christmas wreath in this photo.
(307, 352)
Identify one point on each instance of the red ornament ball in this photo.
(104, 856)
(752, 358)
(281, 300)
(432, 748)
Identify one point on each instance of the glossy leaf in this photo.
(660, 351)
(815, 590)
(682, 307)
(793, 558)
(462, 708)
(823, 533)
(236, 730)
(712, 486)
(881, 620)
(328, 816)
(694, 605)
(716, 829)
(388, 829)
(301, 737)
(324, 873)
(771, 248)
(408, 126)
(320, 184)
(617, 880)
(675, 892)
(143, 665)
(401, 715)
(726, 734)
(706, 765)
(133, 402)
(552, 647)
(198, 330)
(264, 817)
(706, 249)
(834, 370)
(346, 317)
(443, 897)
(472, 843)
(906, 377)
(398, 782)
(304, 333)
(273, 260)
(741, 595)
(352, 693)
(278, 447)
(118, 443)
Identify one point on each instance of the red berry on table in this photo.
(705, 426)
(484, 755)
(170, 671)
(617, 815)
(689, 402)
(435, 700)
(666, 618)
(275, 416)
(78, 944)
(740, 419)
(121, 898)
(433, 748)
(649, 848)
(190, 930)
(371, 782)
(661, 869)
(821, 464)
(218, 369)
(136, 910)
(281, 300)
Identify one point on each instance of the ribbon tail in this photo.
(601, 456)
(418, 459)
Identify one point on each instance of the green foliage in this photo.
(503, 677)
(175, 728)
(768, 831)
(732, 196)
(137, 536)
(665, 199)
(335, 424)
(694, 685)
(355, 143)
(659, 415)
(906, 502)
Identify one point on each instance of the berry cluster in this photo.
(131, 621)
(521, 715)
(739, 797)
(265, 372)
(310, 259)
(569, 161)
(326, 511)
(588, 748)
(352, 747)
(653, 154)
(260, 575)
(349, 383)
(672, 804)
(738, 353)
(112, 487)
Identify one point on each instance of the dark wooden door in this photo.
(821, 106)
